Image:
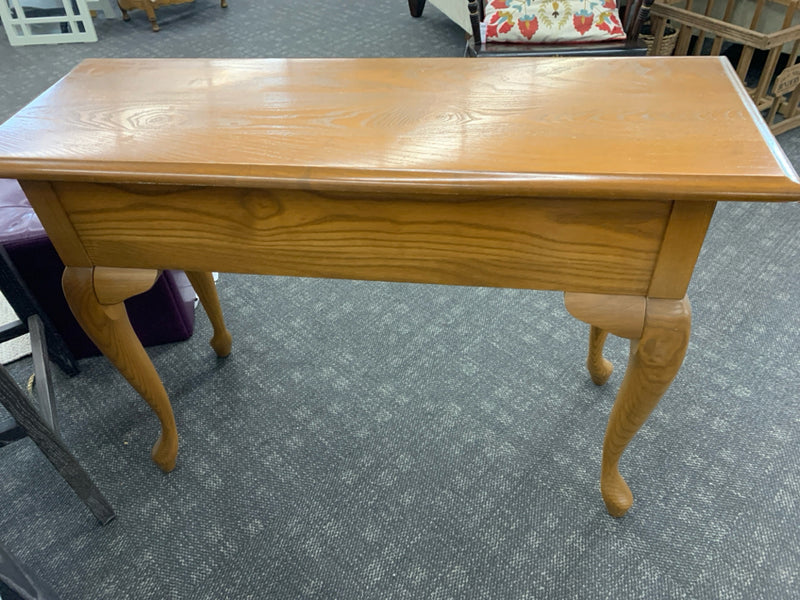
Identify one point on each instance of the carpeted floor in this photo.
(379, 440)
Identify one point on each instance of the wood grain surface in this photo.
(680, 247)
(592, 176)
(110, 329)
(206, 289)
(599, 367)
(575, 245)
(653, 362)
(52, 446)
(598, 127)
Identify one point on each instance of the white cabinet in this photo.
(48, 21)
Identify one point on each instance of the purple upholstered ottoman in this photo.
(163, 314)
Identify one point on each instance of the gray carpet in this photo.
(377, 440)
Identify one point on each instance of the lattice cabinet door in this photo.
(51, 22)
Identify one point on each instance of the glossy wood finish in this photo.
(42, 381)
(653, 363)
(424, 237)
(203, 284)
(108, 326)
(680, 246)
(599, 367)
(659, 333)
(621, 315)
(500, 172)
(546, 128)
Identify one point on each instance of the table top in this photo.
(662, 128)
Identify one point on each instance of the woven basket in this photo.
(667, 42)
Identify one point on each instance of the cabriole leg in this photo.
(653, 363)
(599, 367)
(659, 333)
(203, 284)
(96, 297)
(151, 16)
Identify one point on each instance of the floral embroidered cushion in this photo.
(552, 21)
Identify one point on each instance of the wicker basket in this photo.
(667, 42)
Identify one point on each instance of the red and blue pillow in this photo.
(552, 21)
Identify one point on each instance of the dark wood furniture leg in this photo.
(24, 305)
(17, 581)
(43, 435)
(416, 7)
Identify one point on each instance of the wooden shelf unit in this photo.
(714, 20)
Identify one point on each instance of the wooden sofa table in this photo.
(597, 177)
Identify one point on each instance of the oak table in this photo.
(597, 177)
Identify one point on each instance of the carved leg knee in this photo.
(654, 361)
(96, 297)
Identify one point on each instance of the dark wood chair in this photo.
(24, 305)
(40, 423)
(18, 582)
(632, 14)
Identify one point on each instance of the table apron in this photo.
(599, 246)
